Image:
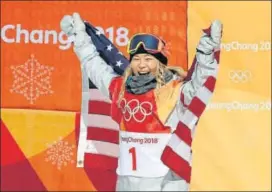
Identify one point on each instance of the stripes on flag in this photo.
(103, 134)
(101, 121)
(176, 163)
(102, 142)
(102, 148)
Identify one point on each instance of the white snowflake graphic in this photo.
(31, 79)
(60, 153)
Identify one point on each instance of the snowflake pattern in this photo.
(31, 79)
(60, 153)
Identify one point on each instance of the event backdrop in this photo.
(41, 90)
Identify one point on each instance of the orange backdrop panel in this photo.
(38, 67)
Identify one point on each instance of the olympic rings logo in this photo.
(143, 109)
(239, 76)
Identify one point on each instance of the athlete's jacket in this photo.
(155, 131)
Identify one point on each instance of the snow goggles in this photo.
(151, 43)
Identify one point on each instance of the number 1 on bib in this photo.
(133, 153)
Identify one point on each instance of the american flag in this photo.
(97, 134)
(102, 133)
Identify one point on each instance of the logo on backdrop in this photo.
(264, 105)
(243, 46)
(15, 33)
(31, 79)
(240, 76)
(60, 153)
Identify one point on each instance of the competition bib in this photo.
(140, 154)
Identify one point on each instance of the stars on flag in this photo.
(109, 47)
(119, 63)
(98, 33)
(106, 49)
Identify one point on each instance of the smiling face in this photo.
(143, 64)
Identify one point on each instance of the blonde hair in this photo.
(161, 69)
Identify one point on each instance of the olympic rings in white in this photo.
(239, 76)
(129, 113)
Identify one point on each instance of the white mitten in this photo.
(208, 44)
(81, 37)
(83, 45)
(67, 25)
(216, 32)
(78, 23)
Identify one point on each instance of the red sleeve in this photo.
(115, 87)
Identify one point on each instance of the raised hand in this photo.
(209, 42)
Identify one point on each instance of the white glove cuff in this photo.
(204, 59)
(81, 39)
(88, 51)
